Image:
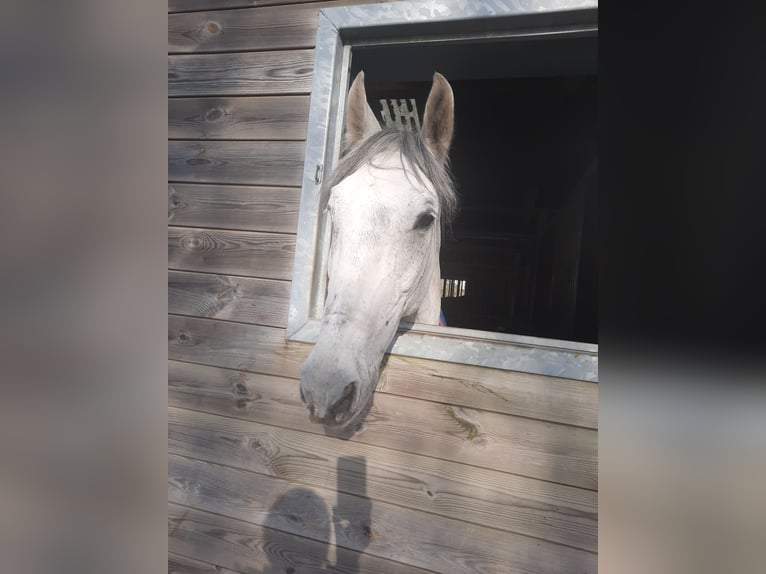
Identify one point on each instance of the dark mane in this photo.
(410, 147)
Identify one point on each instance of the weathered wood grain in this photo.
(180, 6)
(255, 163)
(234, 345)
(547, 451)
(260, 28)
(375, 528)
(194, 5)
(264, 255)
(245, 73)
(270, 28)
(253, 549)
(243, 208)
(178, 564)
(535, 396)
(241, 117)
(552, 512)
(469, 386)
(259, 301)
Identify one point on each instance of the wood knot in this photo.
(240, 389)
(367, 531)
(225, 292)
(243, 394)
(173, 203)
(214, 114)
(183, 337)
(469, 423)
(213, 27)
(197, 242)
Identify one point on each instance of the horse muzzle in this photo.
(332, 410)
(330, 390)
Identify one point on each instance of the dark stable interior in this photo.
(524, 157)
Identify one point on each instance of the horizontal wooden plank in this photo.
(194, 5)
(534, 396)
(253, 549)
(181, 6)
(264, 255)
(256, 163)
(245, 73)
(527, 447)
(242, 117)
(375, 528)
(244, 208)
(259, 301)
(259, 28)
(558, 513)
(178, 564)
(270, 28)
(234, 345)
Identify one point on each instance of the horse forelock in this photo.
(412, 148)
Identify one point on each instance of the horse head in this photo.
(388, 201)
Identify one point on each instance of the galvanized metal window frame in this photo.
(339, 31)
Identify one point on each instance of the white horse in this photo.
(389, 199)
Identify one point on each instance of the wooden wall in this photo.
(458, 469)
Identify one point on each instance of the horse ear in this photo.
(438, 119)
(360, 119)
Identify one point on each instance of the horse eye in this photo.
(424, 220)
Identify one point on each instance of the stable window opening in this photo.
(524, 159)
(519, 267)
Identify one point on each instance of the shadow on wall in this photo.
(351, 515)
(302, 512)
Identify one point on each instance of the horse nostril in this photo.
(341, 407)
